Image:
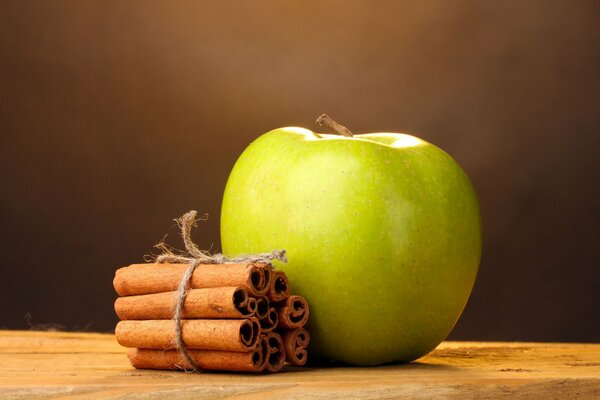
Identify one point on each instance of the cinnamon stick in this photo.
(262, 307)
(269, 322)
(233, 335)
(292, 312)
(225, 302)
(279, 288)
(253, 361)
(296, 341)
(275, 351)
(139, 279)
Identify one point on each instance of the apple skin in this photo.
(382, 232)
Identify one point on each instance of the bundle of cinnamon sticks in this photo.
(235, 317)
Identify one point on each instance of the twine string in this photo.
(195, 257)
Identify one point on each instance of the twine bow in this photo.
(195, 257)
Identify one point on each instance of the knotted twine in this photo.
(195, 257)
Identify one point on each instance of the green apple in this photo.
(382, 232)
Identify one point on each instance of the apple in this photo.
(382, 232)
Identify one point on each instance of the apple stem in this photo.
(326, 121)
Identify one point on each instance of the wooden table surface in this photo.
(39, 365)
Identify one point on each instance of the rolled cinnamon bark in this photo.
(296, 341)
(269, 322)
(156, 278)
(253, 361)
(293, 312)
(262, 307)
(224, 302)
(279, 287)
(263, 347)
(233, 335)
(276, 352)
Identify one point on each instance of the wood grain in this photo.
(40, 365)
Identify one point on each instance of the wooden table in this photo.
(37, 365)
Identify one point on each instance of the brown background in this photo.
(118, 116)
